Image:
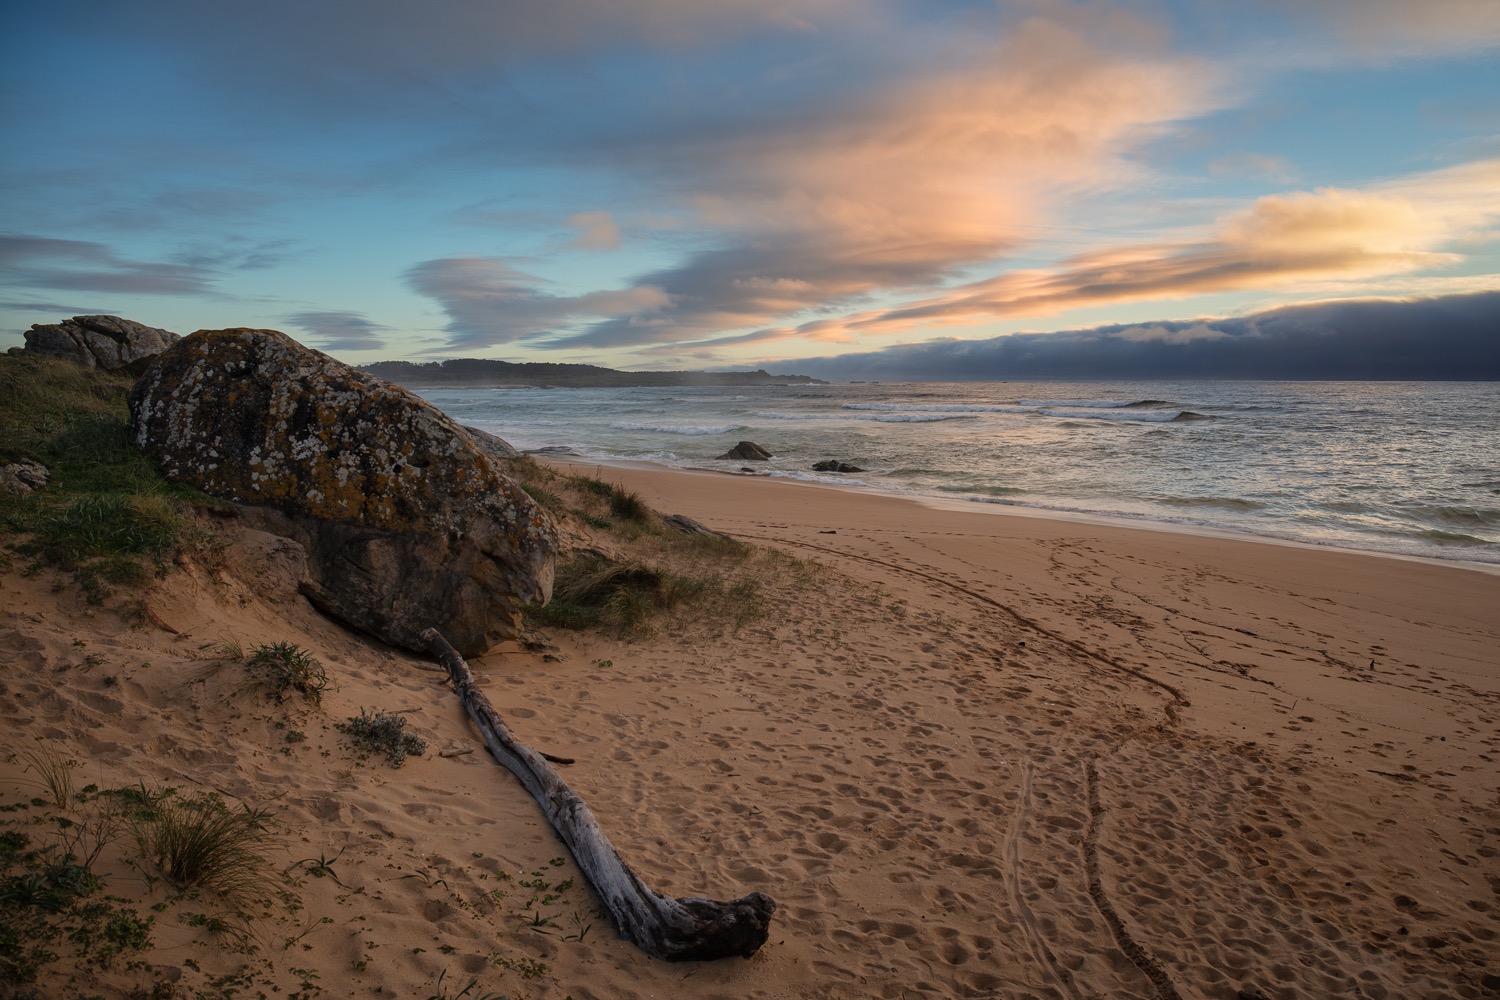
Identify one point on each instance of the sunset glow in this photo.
(668, 184)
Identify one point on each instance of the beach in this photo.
(969, 753)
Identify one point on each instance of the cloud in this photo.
(76, 265)
(340, 331)
(489, 302)
(1329, 235)
(1455, 337)
(1394, 28)
(596, 231)
(904, 183)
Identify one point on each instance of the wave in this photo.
(919, 418)
(1474, 517)
(773, 415)
(1122, 413)
(1452, 538)
(989, 492)
(1224, 503)
(936, 407)
(692, 430)
(1101, 404)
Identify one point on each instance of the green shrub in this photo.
(383, 733)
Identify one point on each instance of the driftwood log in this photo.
(678, 930)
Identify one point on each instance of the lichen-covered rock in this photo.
(20, 478)
(408, 523)
(107, 342)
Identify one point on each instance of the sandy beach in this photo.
(968, 753)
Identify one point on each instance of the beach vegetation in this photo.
(591, 591)
(105, 515)
(652, 572)
(383, 733)
(200, 842)
(53, 909)
(469, 992)
(543, 496)
(53, 771)
(287, 667)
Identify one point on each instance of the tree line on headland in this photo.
(482, 372)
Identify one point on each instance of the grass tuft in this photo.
(287, 667)
(202, 843)
(53, 771)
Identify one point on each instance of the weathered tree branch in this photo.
(678, 930)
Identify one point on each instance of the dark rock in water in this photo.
(107, 342)
(407, 520)
(833, 465)
(746, 451)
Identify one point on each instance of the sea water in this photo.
(1401, 467)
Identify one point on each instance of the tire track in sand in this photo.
(1139, 956)
(1036, 941)
(1177, 700)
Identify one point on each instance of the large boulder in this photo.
(408, 522)
(107, 342)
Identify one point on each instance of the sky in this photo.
(663, 184)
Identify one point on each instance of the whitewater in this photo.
(1409, 468)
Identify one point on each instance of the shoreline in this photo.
(1008, 757)
(981, 508)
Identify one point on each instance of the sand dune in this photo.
(970, 754)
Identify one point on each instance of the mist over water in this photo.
(1404, 467)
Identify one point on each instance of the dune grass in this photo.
(105, 515)
(644, 574)
(199, 842)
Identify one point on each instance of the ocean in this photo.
(1410, 468)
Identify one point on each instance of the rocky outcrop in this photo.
(834, 465)
(746, 451)
(107, 342)
(408, 522)
(20, 478)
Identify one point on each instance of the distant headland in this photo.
(481, 372)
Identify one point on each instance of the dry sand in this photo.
(970, 754)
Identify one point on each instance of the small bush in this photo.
(383, 733)
(287, 667)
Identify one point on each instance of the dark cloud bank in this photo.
(1452, 338)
